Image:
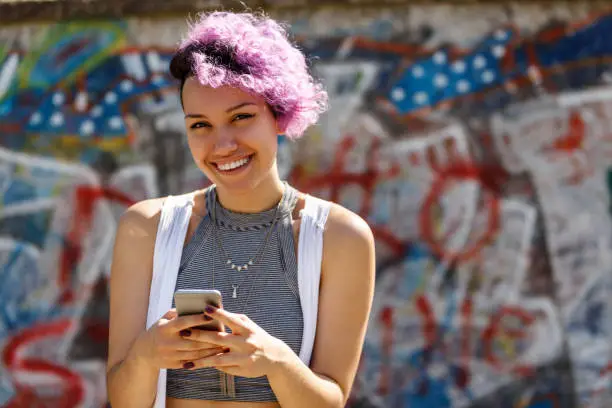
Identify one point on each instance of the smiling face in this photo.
(232, 136)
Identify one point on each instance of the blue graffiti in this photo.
(49, 107)
(438, 78)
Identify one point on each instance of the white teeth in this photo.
(233, 165)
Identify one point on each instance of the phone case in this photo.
(194, 301)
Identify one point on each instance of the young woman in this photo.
(242, 85)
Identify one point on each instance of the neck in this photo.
(265, 196)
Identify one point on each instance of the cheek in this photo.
(266, 148)
(259, 139)
(197, 143)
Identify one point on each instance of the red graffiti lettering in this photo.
(495, 328)
(428, 319)
(386, 317)
(467, 309)
(490, 178)
(86, 198)
(70, 384)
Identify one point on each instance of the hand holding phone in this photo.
(194, 301)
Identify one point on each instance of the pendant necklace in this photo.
(252, 261)
(227, 381)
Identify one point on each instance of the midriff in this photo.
(192, 403)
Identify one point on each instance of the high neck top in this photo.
(267, 291)
(243, 221)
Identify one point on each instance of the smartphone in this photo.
(194, 301)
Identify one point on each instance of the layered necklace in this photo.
(227, 381)
(229, 262)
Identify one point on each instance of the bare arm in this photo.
(345, 300)
(131, 382)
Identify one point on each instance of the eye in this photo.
(242, 116)
(199, 125)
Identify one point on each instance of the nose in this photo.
(225, 144)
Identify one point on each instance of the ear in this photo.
(279, 131)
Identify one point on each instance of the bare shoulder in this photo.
(135, 239)
(144, 215)
(137, 232)
(346, 230)
(348, 246)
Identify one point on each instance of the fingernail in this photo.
(188, 365)
(210, 309)
(207, 318)
(185, 333)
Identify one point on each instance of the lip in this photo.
(218, 163)
(236, 170)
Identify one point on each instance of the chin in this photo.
(243, 183)
(237, 187)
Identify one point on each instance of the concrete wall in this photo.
(473, 139)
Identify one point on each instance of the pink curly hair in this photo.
(252, 52)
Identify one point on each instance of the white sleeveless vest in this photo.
(171, 231)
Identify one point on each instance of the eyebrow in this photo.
(233, 108)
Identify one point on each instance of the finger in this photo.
(186, 356)
(173, 363)
(170, 314)
(182, 344)
(215, 338)
(187, 322)
(236, 322)
(230, 359)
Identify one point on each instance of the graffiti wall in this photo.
(476, 141)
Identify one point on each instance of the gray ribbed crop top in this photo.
(270, 285)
